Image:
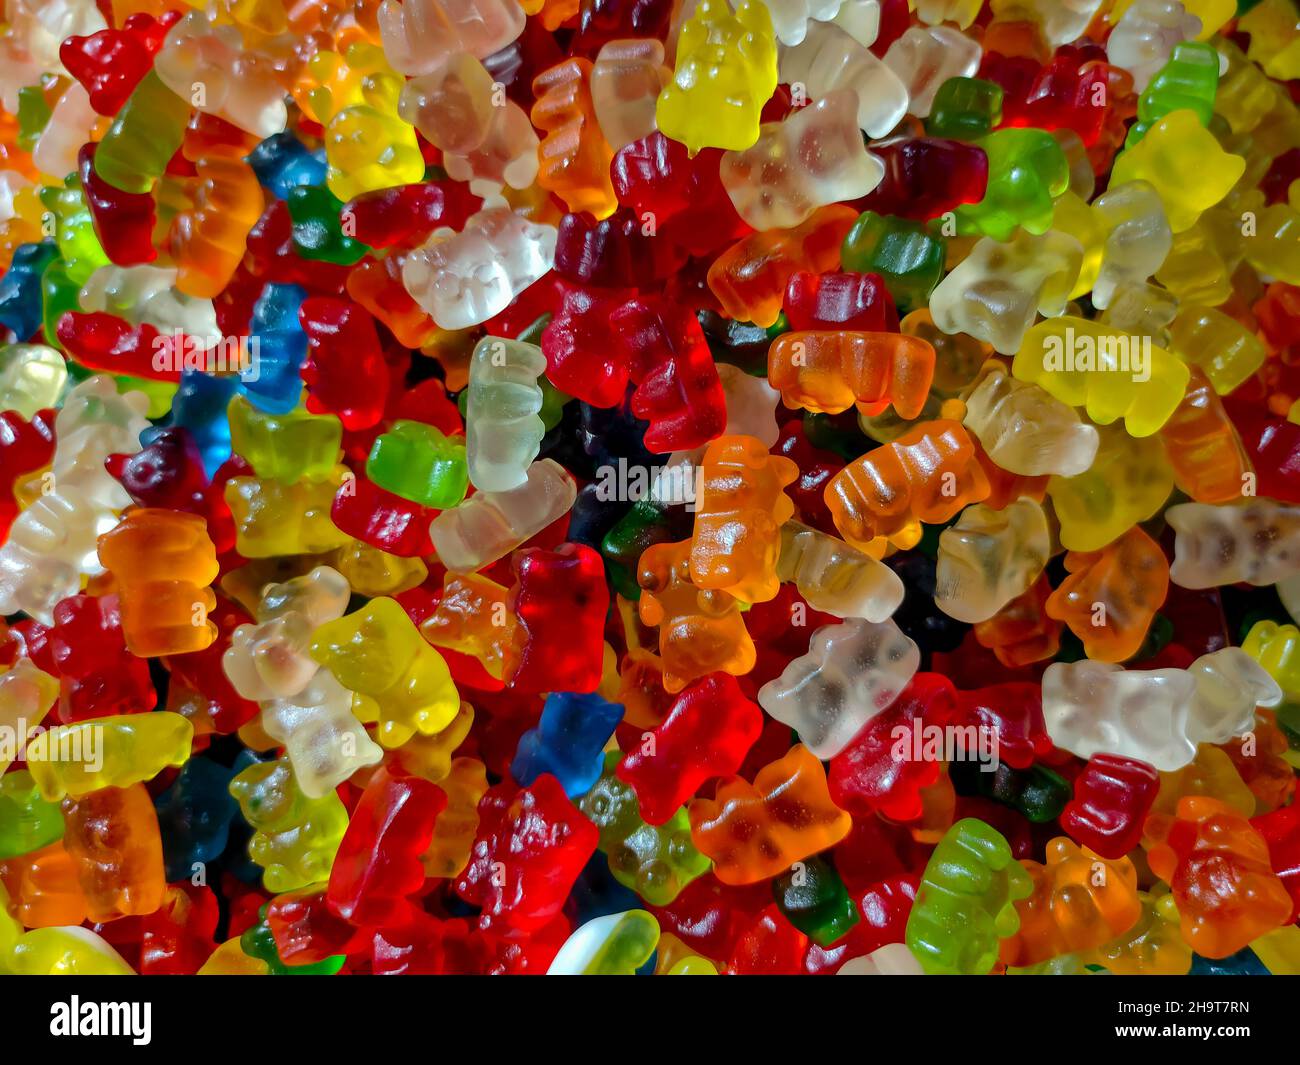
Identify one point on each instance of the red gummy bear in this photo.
(560, 600)
(378, 863)
(1112, 797)
(530, 848)
(706, 734)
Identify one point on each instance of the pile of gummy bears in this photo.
(647, 486)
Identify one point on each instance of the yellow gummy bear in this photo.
(67, 952)
(379, 654)
(274, 519)
(367, 150)
(456, 826)
(675, 958)
(1280, 951)
(1276, 648)
(258, 16)
(295, 837)
(1184, 162)
(1274, 247)
(430, 757)
(1212, 773)
(371, 571)
(1274, 30)
(1196, 270)
(1212, 13)
(60, 951)
(1075, 217)
(1245, 93)
(1227, 352)
(726, 72)
(1152, 947)
(107, 752)
(229, 959)
(1109, 373)
(1126, 484)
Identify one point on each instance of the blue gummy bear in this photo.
(593, 516)
(568, 742)
(276, 384)
(200, 406)
(194, 816)
(20, 289)
(282, 162)
(612, 433)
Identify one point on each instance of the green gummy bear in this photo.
(1188, 81)
(318, 228)
(833, 433)
(629, 945)
(909, 257)
(965, 109)
(1038, 793)
(814, 899)
(288, 447)
(655, 861)
(74, 231)
(966, 901)
(295, 838)
(1028, 171)
(27, 822)
(1288, 720)
(33, 116)
(145, 135)
(416, 461)
(647, 523)
(58, 296)
(160, 394)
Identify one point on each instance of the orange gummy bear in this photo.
(927, 475)
(1111, 596)
(750, 277)
(752, 832)
(1218, 868)
(162, 562)
(574, 157)
(43, 887)
(742, 506)
(1080, 901)
(113, 838)
(829, 372)
(1021, 633)
(1202, 445)
(700, 630)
